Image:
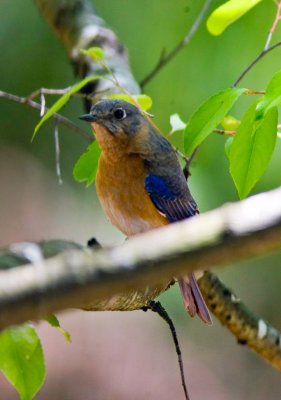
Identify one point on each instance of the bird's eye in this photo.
(119, 113)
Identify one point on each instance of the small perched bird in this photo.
(139, 180)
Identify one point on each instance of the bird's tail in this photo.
(193, 299)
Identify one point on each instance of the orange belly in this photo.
(120, 188)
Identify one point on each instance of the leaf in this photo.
(252, 149)
(227, 145)
(63, 100)
(272, 97)
(142, 99)
(96, 53)
(54, 322)
(176, 123)
(86, 167)
(22, 360)
(229, 123)
(208, 116)
(228, 13)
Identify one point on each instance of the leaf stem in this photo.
(57, 117)
(266, 48)
(166, 58)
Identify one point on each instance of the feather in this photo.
(171, 200)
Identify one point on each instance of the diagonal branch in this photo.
(248, 328)
(78, 27)
(266, 48)
(57, 117)
(144, 266)
(166, 58)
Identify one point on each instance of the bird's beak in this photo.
(88, 117)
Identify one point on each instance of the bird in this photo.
(139, 181)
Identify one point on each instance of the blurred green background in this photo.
(130, 355)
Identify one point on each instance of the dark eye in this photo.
(119, 113)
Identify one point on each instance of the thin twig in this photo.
(157, 307)
(57, 149)
(43, 104)
(166, 58)
(274, 25)
(253, 63)
(59, 92)
(224, 132)
(188, 161)
(57, 117)
(266, 48)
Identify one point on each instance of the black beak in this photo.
(88, 117)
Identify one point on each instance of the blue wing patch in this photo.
(168, 200)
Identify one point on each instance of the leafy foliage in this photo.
(96, 53)
(252, 148)
(272, 97)
(55, 323)
(208, 116)
(176, 123)
(228, 13)
(85, 168)
(144, 101)
(230, 123)
(63, 100)
(22, 360)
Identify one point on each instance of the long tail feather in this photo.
(193, 299)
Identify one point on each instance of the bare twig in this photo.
(274, 25)
(57, 149)
(266, 48)
(167, 57)
(188, 161)
(157, 307)
(224, 132)
(57, 117)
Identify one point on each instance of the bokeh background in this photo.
(131, 355)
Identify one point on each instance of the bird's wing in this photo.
(168, 199)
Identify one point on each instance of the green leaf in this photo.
(96, 53)
(208, 116)
(230, 123)
(177, 123)
(228, 13)
(252, 149)
(22, 360)
(272, 97)
(227, 145)
(63, 100)
(86, 167)
(55, 323)
(142, 99)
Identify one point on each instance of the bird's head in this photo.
(118, 117)
(121, 127)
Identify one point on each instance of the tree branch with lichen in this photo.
(74, 276)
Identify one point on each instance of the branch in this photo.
(166, 58)
(57, 117)
(78, 27)
(93, 280)
(266, 48)
(248, 328)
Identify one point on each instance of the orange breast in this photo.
(120, 187)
